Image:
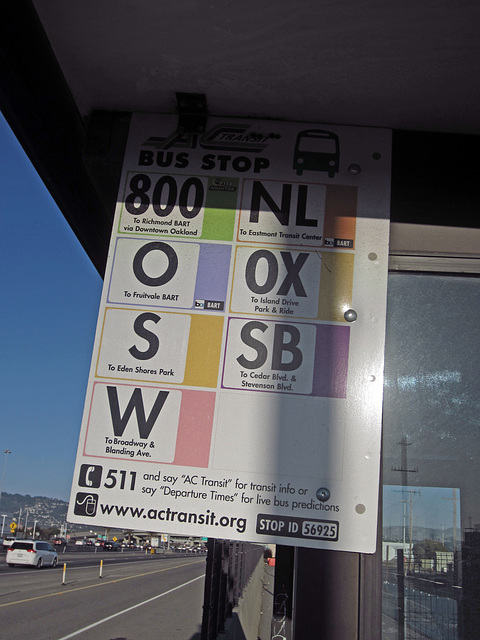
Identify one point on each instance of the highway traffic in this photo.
(127, 595)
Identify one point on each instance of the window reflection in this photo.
(431, 522)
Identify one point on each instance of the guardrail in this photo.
(230, 565)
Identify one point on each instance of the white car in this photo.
(32, 552)
(8, 541)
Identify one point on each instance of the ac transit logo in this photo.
(221, 137)
(86, 504)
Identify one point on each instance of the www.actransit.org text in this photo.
(169, 515)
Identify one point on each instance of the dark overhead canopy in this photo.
(406, 65)
(410, 66)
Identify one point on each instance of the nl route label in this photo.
(236, 382)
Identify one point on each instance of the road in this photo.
(138, 597)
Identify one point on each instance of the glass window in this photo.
(431, 459)
(24, 546)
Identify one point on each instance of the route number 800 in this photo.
(165, 196)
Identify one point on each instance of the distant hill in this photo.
(48, 512)
(395, 533)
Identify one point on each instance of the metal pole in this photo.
(326, 597)
(6, 452)
(400, 594)
(282, 611)
(4, 515)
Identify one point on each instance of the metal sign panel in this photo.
(236, 380)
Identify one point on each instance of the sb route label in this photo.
(286, 357)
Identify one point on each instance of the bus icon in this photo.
(316, 150)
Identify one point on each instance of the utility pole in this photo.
(4, 515)
(454, 504)
(404, 470)
(454, 499)
(6, 452)
(404, 466)
(410, 532)
(404, 491)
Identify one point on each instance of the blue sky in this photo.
(50, 294)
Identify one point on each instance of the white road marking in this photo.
(119, 613)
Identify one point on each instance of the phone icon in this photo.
(90, 476)
(88, 480)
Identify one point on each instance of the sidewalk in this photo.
(264, 628)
